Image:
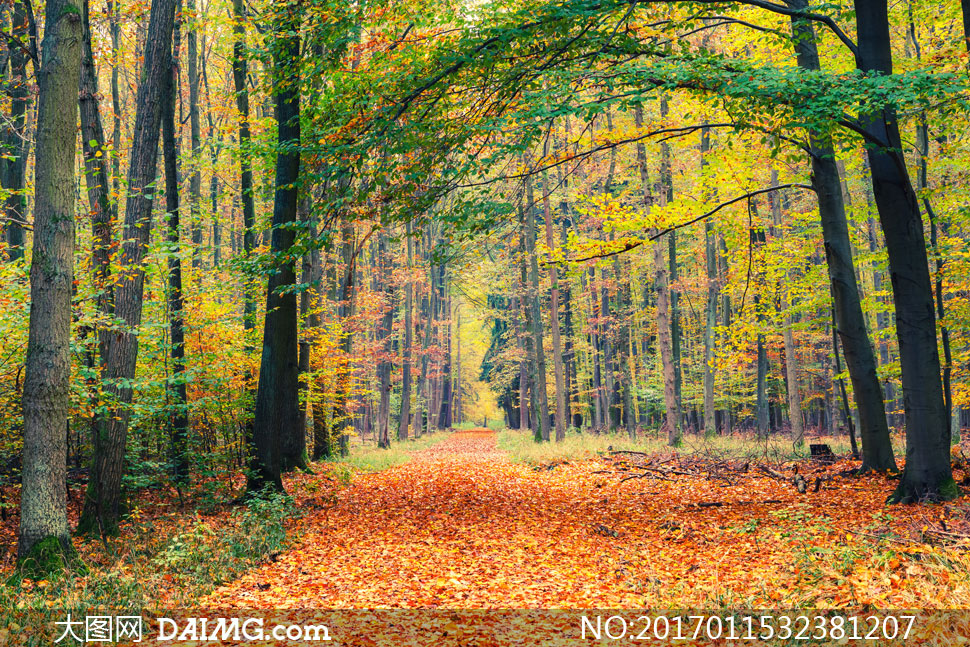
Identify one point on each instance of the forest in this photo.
(505, 304)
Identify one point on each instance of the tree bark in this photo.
(240, 75)
(103, 212)
(103, 506)
(15, 140)
(383, 337)
(562, 411)
(877, 452)
(178, 416)
(710, 309)
(276, 437)
(195, 177)
(927, 474)
(46, 394)
(533, 320)
(404, 419)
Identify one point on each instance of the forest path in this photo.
(461, 526)
(458, 526)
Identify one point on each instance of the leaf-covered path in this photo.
(461, 526)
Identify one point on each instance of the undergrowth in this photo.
(155, 563)
(521, 446)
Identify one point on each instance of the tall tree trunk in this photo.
(404, 419)
(195, 177)
(666, 196)
(710, 309)
(456, 413)
(178, 416)
(573, 416)
(102, 505)
(859, 356)
(791, 361)
(46, 397)
(15, 140)
(114, 27)
(103, 213)
(240, 75)
(383, 337)
(276, 435)
(341, 414)
(665, 344)
(927, 472)
(533, 320)
(562, 411)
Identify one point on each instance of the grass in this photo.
(371, 458)
(522, 448)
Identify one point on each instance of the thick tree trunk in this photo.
(277, 415)
(877, 453)
(44, 532)
(177, 395)
(15, 140)
(102, 505)
(927, 473)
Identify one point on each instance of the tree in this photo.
(877, 451)
(178, 417)
(44, 541)
(277, 399)
(102, 505)
(927, 472)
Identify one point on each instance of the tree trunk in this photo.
(710, 310)
(103, 506)
(383, 337)
(927, 473)
(405, 417)
(195, 177)
(533, 321)
(44, 541)
(562, 411)
(666, 196)
(103, 214)
(276, 415)
(178, 404)
(15, 139)
(240, 75)
(877, 453)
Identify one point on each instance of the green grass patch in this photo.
(522, 448)
(371, 458)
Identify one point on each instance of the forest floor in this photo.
(462, 526)
(457, 522)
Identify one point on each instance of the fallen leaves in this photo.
(462, 527)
